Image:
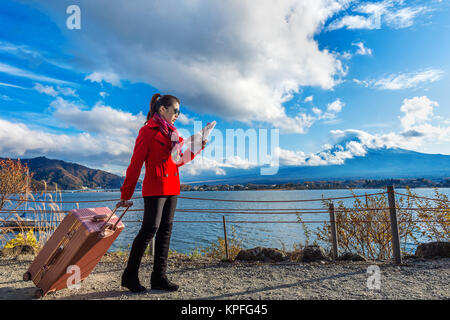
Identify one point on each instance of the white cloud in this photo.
(106, 139)
(308, 99)
(203, 164)
(11, 85)
(316, 111)
(417, 110)
(417, 131)
(372, 19)
(290, 157)
(330, 114)
(25, 52)
(326, 157)
(51, 91)
(403, 81)
(107, 76)
(362, 49)
(18, 50)
(18, 140)
(390, 12)
(17, 72)
(413, 139)
(239, 60)
(354, 22)
(184, 119)
(364, 83)
(100, 119)
(356, 149)
(48, 90)
(404, 18)
(67, 91)
(335, 106)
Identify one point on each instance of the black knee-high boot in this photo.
(130, 276)
(159, 279)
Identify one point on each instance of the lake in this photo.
(188, 236)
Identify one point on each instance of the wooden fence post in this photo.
(333, 231)
(394, 226)
(225, 233)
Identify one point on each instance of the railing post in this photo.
(226, 240)
(333, 231)
(394, 226)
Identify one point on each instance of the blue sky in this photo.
(352, 74)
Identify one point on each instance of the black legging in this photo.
(158, 219)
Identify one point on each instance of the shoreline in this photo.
(276, 189)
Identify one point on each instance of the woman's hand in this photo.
(124, 203)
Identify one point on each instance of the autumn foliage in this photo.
(13, 180)
(365, 228)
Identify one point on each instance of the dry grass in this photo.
(217, 250)
(48, 215)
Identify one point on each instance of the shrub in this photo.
(13, 180)
(365, 227)
(23, 239)
(435, 215)
(47, 215)
(217, 249)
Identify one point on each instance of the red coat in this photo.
(161, 172)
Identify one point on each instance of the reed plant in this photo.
(14, 184)
(48, 215)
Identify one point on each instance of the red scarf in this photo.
(171, 132)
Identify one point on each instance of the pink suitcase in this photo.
(81, 240)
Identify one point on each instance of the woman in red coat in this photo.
(156, 144)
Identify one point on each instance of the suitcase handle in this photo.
(55, 255)
(103, 228)
(100, 217)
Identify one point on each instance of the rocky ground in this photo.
(204, 278)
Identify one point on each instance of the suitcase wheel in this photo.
(39, 293)
(27, 276)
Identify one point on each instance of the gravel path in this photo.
(208, 279)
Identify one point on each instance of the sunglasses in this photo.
(176, 111)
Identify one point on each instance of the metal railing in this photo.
(252, 211)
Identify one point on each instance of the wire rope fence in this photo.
(381, 219)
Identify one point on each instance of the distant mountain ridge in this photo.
(69, 176)
(376, 164)
(382, 163)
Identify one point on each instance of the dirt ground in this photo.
(215, 280)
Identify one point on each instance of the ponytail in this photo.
(153, 106)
